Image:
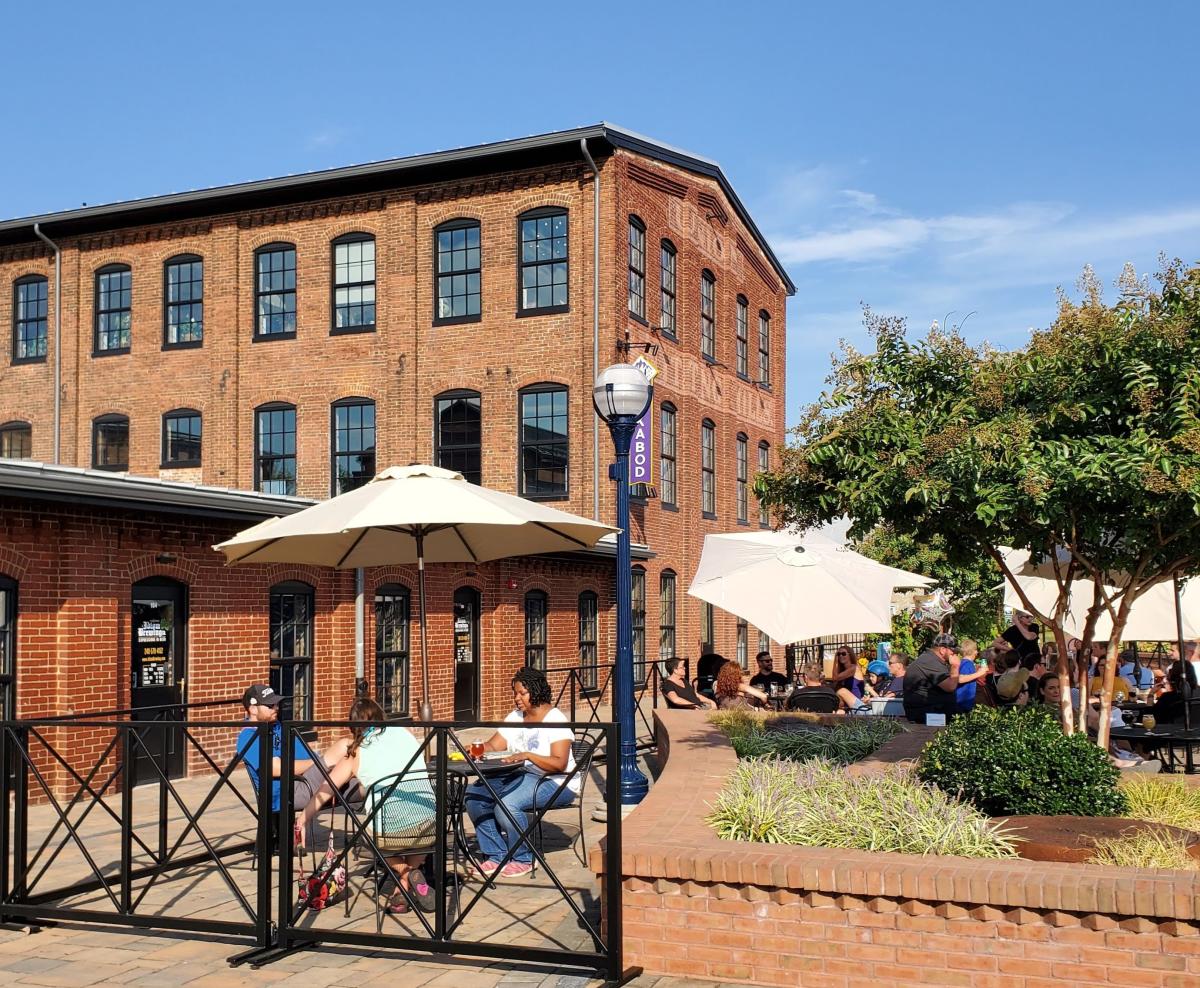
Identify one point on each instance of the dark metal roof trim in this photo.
(557, 145)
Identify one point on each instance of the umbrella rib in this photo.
(354, 545)
(466, 544)
(563, 535)
(265, 545)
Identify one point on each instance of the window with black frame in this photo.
(8, 648)
(536, 605)
(16, 441)
(30, 318)
(708, 624)
(275, 292)
(543, 251)
(764, 464)
(392, 614)
(114, 309)
(588, 672)
(743, 643)
(666, 615)
(637, 268)
(708, 468)
(764, 642)
(353, 284)
(638, 608)
(353, 447)
(743, 467)
(183, 301)
(181, 438)
(275, 449)
(458, 273)
(666, 275)
(292, 647)
(458, 433)
(110, 442)
(667, 455)
(764, 348)
(743, 317)
(708, 315)
(544, 453)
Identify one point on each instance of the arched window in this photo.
(764, 464)
(114, 308)
(708, 468)
(637, 268)
(275, 292)
(542, 247)
(666, 281)
(458, 433)
(764, 348)
(16, 441)
(392, 613)
(30, 322)
(708, 628)
(638, 608)
(292, 647)
(668, 451)
(544, 441)
(110, 442)
(8, 648)
(183, 301)
(275, 448)
(743, 643)
(743, 467)
(353, 284)
(588, 672)
(181, 435)
(352, 449)
(743, 316)
(536, 605)
(708, 315)
(666, 615)
(457, 272)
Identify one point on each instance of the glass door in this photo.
(158, 676)
(466, 653)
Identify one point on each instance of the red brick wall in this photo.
(697, 906)
(408, 361)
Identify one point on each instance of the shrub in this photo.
(1147, 849)
(815, 804)
(843, 743)
(1160, 799)
(1018, 761)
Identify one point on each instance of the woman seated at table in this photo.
(678, 692)
(1168, 708)
(733, 692)
(402, 812)
(543, 753)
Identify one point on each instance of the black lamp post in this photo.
(621, 395)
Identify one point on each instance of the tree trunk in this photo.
(1066, 713)
(1110, 670)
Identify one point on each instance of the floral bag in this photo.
(325, 885)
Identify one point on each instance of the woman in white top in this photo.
(543, 752)
(389, 765)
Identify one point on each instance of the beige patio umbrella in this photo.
(414, 514)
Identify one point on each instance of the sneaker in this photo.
(487, 868)
(422, 891)
(515, 869)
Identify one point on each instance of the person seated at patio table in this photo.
(543, 752)
(897, 664)
(678, 692)
(767, 677)
(1134, 671)
(813, 686)
(402, 812)
(847, 673)
(1122, 688)
(261, 704)
(1168, 708)
(733, 693)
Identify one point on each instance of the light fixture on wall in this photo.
(165, 558)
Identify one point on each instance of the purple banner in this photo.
(641, 450)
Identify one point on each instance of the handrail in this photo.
(130, 711)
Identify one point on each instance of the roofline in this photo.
(227, 198)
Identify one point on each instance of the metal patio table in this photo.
(1166, 740)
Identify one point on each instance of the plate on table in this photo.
(495, 756)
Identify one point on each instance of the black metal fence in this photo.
(214, 854)
(582, 691)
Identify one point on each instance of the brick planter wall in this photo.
(762, 914)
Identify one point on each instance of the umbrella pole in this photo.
(426, 706)
(1185, 681)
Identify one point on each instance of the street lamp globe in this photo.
(621, 392)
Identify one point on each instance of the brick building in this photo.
(265, 344)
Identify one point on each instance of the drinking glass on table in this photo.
(1148, 722)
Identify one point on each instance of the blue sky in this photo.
(923, 158)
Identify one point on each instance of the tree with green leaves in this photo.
(1082, 446)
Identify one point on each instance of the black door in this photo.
(158, 676)
(466, 653)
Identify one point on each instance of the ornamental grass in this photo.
(1148, 848)
(853, 739)
(1162, 799)
(816, 804)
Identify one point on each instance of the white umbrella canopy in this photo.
(1151, 618)
(414, 514)
(797, 587)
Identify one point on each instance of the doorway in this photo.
(466, 653)
(158, 675)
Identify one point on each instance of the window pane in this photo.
(353, 446)
(544, 443)
(185, 301)
(275, 307)
(16, 442)
(544, 274)
(30, 307)
(276, 455)
(458, 254)
(459, 435)
(182, 439)
(110, 443)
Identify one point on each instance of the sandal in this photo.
(398, 906)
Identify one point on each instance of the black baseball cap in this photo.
(260, 695)
(945, 641)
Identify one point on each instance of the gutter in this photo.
(595, 321)
(37, 229)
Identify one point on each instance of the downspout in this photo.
(57, 340)
(595, 321)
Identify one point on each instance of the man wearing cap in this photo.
(262, 706)
(932, 680)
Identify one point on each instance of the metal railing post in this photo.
(162, 789)
(574, 691)
(262, 845)
(439, 855)
(126, 817)
(21, 814)
(6, 786)
(613, 883)
(286, 815)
